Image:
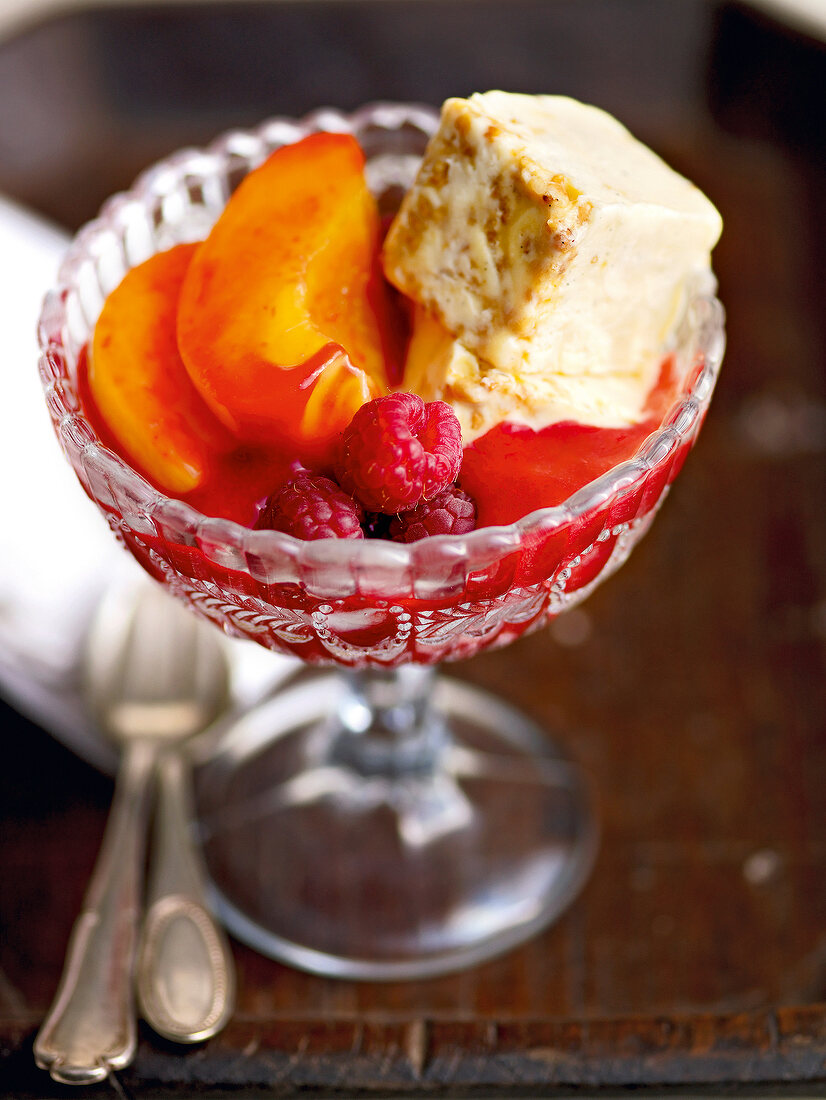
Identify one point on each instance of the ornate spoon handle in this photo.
(186, 976)
(90, 1027)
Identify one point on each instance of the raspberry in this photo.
(451, 512)
(397, 450)
(310, 506)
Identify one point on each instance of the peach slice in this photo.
(279, 319)
(138, 382)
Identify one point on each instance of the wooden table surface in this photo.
(690, 686)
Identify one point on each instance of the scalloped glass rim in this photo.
(238, 151)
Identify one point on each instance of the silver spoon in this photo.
(185, 975)
(156, 676)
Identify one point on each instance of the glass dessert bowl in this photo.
(369, 822)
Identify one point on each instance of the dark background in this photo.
(87, 98)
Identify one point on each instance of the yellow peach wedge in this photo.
(281, 317)
(138, 381)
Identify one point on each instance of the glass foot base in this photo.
(360, 874)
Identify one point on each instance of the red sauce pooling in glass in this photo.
(510, 471)
(237, 481)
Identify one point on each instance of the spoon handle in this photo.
(186, 976)
(90, 1027)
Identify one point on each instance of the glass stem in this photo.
(387, 725)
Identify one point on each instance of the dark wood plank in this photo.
(328, 1057)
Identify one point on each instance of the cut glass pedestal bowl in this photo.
(368, 821)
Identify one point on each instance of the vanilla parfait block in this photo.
(549, 254)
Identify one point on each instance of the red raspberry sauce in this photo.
(510, 471)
